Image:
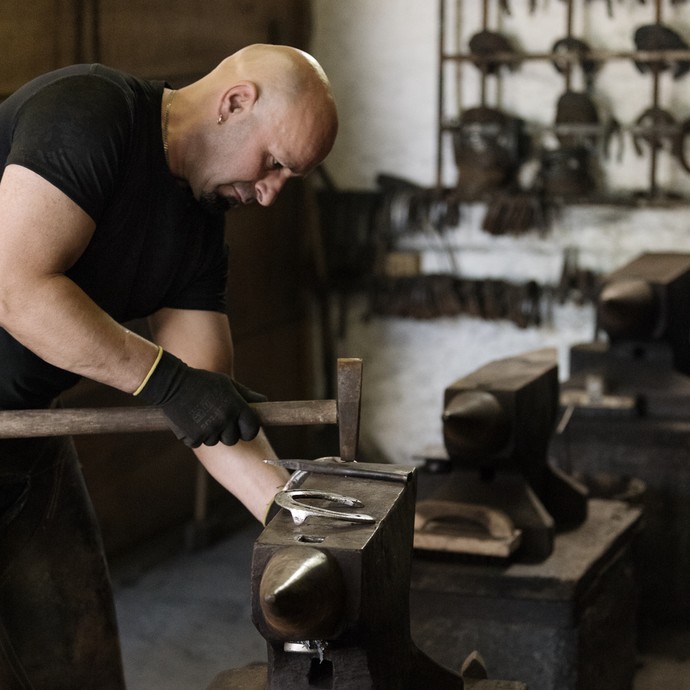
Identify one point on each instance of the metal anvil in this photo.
(644, 304)
(639, 362)
(331, 598)
(497, 424)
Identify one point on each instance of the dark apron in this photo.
(58, 628)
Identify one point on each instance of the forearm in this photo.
(241, 470)
(57, 321)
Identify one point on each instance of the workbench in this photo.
(566, 623)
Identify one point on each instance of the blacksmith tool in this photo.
(334, 465)
(646, 302)
(58, 422)
(344, 411)
(487, 46)
(658, 37)
(490, 146)
(640, 355)
(332, 601)
(497, 425)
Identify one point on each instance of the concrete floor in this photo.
(188, 617)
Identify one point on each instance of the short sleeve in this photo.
(74, 133)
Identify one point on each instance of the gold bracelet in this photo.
(151, 370)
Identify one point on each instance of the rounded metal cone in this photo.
(628, 309)
(302, 593)
(474, 422)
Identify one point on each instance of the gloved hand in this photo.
(202, 406)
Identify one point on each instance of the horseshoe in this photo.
(650, 122)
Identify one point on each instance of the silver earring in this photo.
(220, 119)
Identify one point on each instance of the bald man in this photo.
(111, 208)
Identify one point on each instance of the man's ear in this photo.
(238, 98)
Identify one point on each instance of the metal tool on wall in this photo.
(571, 170)
(429, 296)
(489, 144)
(673, 55)
(659, 126)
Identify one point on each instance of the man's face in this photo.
(252, 154)
(254, 157)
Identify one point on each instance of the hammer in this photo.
(344, 411)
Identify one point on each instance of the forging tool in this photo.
(331, 601)
(497, 425)
(344, 411)
(334, 465)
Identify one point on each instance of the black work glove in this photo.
(202, 406)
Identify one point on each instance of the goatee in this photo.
(214, 203)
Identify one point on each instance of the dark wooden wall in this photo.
(173, 39)
(144, 484)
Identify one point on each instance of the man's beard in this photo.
(214, 203)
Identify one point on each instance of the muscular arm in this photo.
(42, 233)
(203, 340)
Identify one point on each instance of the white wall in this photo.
(382, 58)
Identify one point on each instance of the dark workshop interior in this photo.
(489, 279)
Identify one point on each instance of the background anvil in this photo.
(497, 425)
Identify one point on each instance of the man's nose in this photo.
(267, 188)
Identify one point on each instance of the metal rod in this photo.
(349, 402)
(573, 56)
(569, 33)
(439, 103)
(346, 469)
(61, 422)
(655, 102)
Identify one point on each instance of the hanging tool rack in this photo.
(656, 128)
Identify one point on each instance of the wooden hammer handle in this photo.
(61, 422)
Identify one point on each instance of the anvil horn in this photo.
(475, 422)
(302, 593)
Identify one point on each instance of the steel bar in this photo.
(59, 422)
(347, 469)
(349, 379)
(594, 55)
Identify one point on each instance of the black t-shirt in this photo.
(95, 134)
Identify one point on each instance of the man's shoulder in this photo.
(68, 85)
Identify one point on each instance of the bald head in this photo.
(289, 82)
(263, 115)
